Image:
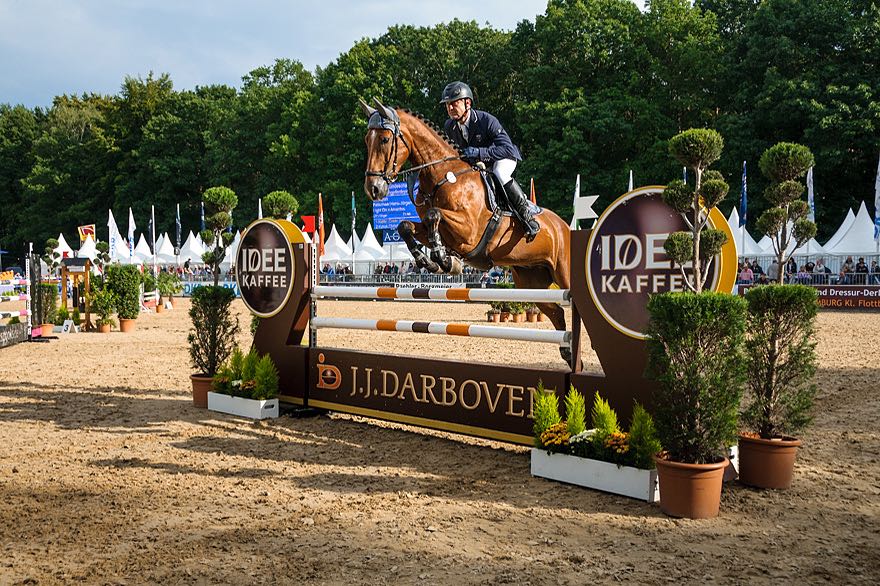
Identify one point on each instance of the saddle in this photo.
(493, 188)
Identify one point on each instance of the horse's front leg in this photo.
(416, 235)
(449, 264)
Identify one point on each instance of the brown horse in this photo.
(451, 203)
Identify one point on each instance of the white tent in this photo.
(143, 249)
(231, 252)
(63, 249)
(159, 242)
(859, 238)
(841, 231)
(121, 250)
(745, 244)
(353, 245)
(369, 244)
(396, 252)
(87, 250)
(165, 253)
(191, 250)
(335, 248)
(765, 245)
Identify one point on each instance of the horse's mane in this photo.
(441, 134)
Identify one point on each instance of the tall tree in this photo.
(18, 131)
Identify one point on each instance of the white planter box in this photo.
(243, 407)
(624, 480)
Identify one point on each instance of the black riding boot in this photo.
(519, 203)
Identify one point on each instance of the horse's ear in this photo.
(368, 111)
(386, 112)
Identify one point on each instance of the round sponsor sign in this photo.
(265, 267)
(626, 263)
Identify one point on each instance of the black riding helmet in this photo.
(456, 91)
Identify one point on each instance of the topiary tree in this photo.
(102, 255)
(219, 203)
(279, 204)
(696, 149)
(786, 221)
(125, 283)
(51, 257)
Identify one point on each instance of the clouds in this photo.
(48, 48)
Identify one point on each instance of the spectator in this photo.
(861, 271)
(875, 273)
(746, 275)
(756, 268)
(773, 272)
(791, 269)
(846, 271)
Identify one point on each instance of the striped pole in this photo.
(14, 282)
(21, 313)
(19, 297)
(560, 338)
(561, 296)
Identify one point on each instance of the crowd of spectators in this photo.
(811, 273)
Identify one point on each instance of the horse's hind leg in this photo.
(541, 278)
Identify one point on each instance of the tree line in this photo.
(594, 87)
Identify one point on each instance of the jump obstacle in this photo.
(26, 332)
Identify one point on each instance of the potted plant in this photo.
(47, 308)
(246, 385)
(168, 284)
(125, 283)
(102, 303)
(280, 204)
(604, 457)
(781, 353)
(695, 342)
(532, 312)
(214, 327)
(494, 314)
(781, 360)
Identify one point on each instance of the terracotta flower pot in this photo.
(493, 317)
(104, 328)
(200, 387)
(532, 317)
(540, 316)
(505, 316)
(160, 306)
(126, 325)
(690, 490)
(767, 463)
(46, 329)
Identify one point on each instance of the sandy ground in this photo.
(108, 475)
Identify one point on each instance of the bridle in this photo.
(392, 124)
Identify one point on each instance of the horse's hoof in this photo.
(456, 266)
(566, 354)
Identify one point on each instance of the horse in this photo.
(452, 205)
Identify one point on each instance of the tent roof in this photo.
(745, 244)
(63, 246)
(335, 248)
(859, 238)
(369, 247)
(88, 250)
(142, 248)
(841, 230)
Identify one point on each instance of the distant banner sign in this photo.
(395, 208)
(391, 236)
(86, 231)
(851, 297)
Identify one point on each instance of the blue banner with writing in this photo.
(395, 208)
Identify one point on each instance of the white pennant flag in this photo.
(630, 181)
(114, 236)
(810, 196)
(131, 228)
(577, 194)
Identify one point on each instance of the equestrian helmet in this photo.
(456, 91)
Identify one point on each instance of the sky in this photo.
(54, 47)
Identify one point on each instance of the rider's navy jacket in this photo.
(486, 133)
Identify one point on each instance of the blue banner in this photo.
(391, 237)
(395, 208)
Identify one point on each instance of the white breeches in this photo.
(503, 169)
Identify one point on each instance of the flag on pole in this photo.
(202, 217)
(260, 208)
(229, 227)
(630, 181)
(810, 196)
(320, 226)
(113, 236)
(532, 192)
(151, 229)
(131, 229)
(877, 204)
(178, 227)
(353, 220)
(577, 194)
(684, 174)
(743, 199)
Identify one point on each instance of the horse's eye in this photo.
(385, 140)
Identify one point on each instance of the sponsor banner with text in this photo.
(851, 297)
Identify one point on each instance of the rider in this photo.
(482, 138)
